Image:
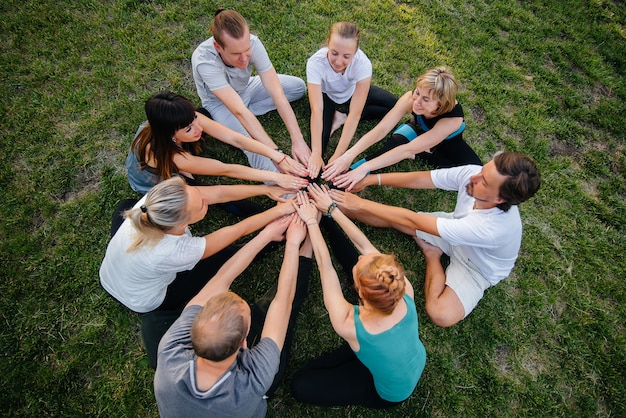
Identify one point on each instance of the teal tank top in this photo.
(396, 357)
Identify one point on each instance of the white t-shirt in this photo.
(210, 73)
(490, 238)
(338, 87)
(139, 279)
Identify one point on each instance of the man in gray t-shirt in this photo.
(222, 70)
(204, 365)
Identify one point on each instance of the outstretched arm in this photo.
(339, 309)
(211, 167)
(408, 180)
(324, 202)
(316, 102)
(424, 142)
(299, 149)
(279, 311)
(222, 280)
(391, 119)
(217, 130)
(225, 236)
(357, 103)
(391, 215)
(229, 193)
(267, 147)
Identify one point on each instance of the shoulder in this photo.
(456, 112)
(205, 51)
(267, 347)
(260, 363)
(361, 63)
(361, 57)
(256, 45)
(178, 335)
(455, 175)
(319, 57)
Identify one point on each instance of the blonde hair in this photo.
(346, 30)
(220, 328)
(381, 282)
(442, 83)
(164, 208)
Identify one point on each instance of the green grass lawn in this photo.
(543, 78)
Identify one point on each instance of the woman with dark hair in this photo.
(382, 358)
(169, 143)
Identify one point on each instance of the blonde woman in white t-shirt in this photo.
(154, 263)
(338, 77)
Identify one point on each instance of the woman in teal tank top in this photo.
(383, 358)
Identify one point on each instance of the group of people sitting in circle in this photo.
(216, 354)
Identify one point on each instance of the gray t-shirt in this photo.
(238, 393)
(211, 73)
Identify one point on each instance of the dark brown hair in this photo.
(523, 178)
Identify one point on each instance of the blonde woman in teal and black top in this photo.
(383, 357)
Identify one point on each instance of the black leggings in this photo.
(448, 153)
(377, 104)
(337, 378)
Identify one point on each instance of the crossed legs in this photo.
(443, 306)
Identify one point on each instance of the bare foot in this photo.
(429, 250)
(338, 120)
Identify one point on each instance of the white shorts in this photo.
(462, 276)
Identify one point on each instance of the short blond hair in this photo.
(220, 327)
(442, 83)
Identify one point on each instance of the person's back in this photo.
(395, 357)
(238, 393)
(204, 366)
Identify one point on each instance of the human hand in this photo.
(360, 186)
(320, 197)
(305, 208)
(274, 231)
(292, 183)
(347, 201)
(300, 150)
(276, 193)
(290, 166)
(336, 166)
(315, 165)
(286, 207)
(296, 232)
(348, 180)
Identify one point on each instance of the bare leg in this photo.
(338, 120)
(442, 304)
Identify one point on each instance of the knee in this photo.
(294, 88)
(396, 140)
(442, 315)
(299, 388)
